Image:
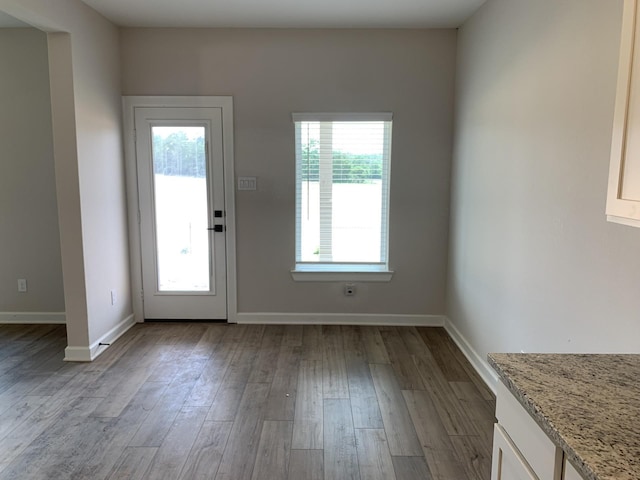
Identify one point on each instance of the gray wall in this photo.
(29, 234)
(88, 156)
(270, 74)
(534, 265)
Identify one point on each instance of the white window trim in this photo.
(332, 272)
(343, 117)
(353, 273)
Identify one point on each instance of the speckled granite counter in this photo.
(589, 405)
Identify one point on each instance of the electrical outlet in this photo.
(349, 290)
(22, 285)
(114, 297)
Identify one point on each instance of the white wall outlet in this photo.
(247, 183)
(22, 285)
(349, 290)
(114, 297)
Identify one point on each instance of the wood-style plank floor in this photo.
(236, 402)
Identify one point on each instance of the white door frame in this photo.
(129, 104)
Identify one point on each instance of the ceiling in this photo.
(287, 13)
(7, 21)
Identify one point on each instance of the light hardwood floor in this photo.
(235, 402)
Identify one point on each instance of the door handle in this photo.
(216, 228)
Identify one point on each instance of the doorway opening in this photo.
(181, 195)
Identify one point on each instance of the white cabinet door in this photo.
(570, 473)
(623, 200)
(541, 454)
(508, 464)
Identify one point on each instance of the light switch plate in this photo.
(247, 183)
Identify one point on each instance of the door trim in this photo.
(129, 104)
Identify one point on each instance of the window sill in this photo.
(341, 273)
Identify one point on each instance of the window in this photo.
(342, 195)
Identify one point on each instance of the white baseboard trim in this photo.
(90, 353)
(30, 318)
(340, 319)
(77, 354)
(480, 365)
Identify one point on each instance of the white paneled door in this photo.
(180, 170)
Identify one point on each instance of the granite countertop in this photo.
(589, 405)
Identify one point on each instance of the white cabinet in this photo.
(521, 450)
(570, 473)
(623, 199)
(507, 462)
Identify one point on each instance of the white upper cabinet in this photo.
(623, 200)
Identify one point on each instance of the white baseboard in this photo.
(480, 365)
(341, 319)
(58, 318)
(77, 354)
(90, 353)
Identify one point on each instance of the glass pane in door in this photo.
(181, 208)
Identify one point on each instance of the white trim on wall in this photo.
(480, 364)
(397, 320)
(129, 104)
(25, 318)
(77, 354)
(88, 354)
(352, 276)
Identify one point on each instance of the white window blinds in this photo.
(342, 189)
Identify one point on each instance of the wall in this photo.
(29, 235)
(534, 265)
(272, 73)
(86, 112)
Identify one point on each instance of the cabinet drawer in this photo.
(540, 452)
